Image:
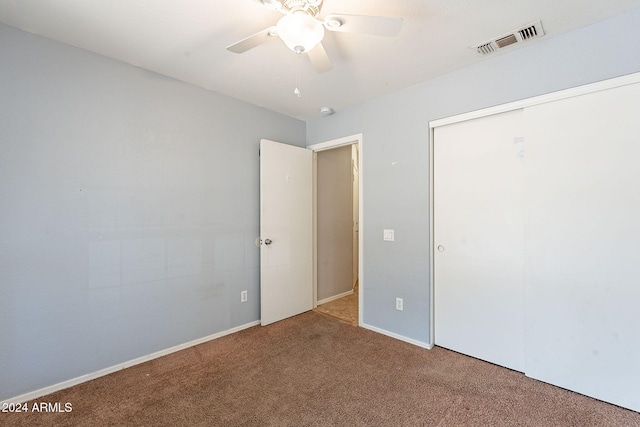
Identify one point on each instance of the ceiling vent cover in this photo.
(525, 33)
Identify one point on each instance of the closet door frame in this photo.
(554, 96)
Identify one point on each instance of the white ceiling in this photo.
(187, 40)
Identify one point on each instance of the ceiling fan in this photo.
(302, 31)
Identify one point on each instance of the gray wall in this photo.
(129, 202)
(396, 159)
(129, 206)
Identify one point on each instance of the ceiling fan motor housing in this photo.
(312, 7)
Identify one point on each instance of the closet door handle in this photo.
(440, 248)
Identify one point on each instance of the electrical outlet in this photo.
(243, 296)
(399, 304)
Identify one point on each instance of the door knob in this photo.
(268, 241)
(440, 248)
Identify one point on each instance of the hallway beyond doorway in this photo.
(345, 308)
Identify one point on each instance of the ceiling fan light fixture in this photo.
(273, 4)
(300, 31)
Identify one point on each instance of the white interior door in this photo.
(286, 231)
(479, 253)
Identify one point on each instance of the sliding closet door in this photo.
(583, 244)
(478, 217)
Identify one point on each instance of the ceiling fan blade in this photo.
(319, 59)
(375, 25)
(253, 41)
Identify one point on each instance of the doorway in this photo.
(337, 229)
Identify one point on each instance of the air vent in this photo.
(506, 41)
(525, 33)
(529, 32)
(486, 48)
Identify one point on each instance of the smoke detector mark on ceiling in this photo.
(525, 33)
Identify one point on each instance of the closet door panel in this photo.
(478, 217)
(582, 241)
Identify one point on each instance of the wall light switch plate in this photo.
(388, 235)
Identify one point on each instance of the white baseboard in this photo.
(335, 297)
(397, 336)
(88, 377)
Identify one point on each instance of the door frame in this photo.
(515, 105)
(328, 145)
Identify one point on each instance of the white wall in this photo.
(395, 155)
(129, 207)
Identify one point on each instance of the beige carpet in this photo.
(312, 370)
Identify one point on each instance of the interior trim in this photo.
(541, 99)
